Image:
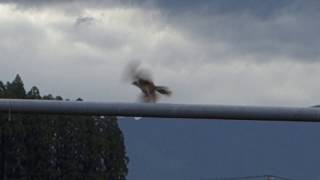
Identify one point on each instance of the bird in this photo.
(141, 78)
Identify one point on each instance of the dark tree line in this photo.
(58, 146)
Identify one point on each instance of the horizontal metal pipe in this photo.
(297, 114)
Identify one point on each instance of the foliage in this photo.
(58, 147)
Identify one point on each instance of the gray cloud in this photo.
(217, 52)
(285, 35)
(70, 5)
(88, 30)
(263, 29)
(263, 9)
(224, 57)
(84, 20)
(289, 30)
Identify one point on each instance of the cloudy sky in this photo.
(207, 51)
(217, 52)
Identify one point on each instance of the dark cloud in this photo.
(33, 3)
(84, 20)
(181, 43)
(260, 8)
(263, 9)
(76, 3)
(265, 29)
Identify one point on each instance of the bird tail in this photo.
(163, 90)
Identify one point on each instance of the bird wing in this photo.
(163, 90)
(133, 72)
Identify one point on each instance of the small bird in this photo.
(141, 78)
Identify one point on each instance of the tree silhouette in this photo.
(58, 147)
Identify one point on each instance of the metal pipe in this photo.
(258, 113)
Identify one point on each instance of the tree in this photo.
(16, 88)
(34, 93)
(58, 147)
(2, 89)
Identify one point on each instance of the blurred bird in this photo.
(141, 78)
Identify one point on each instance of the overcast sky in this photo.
(207, 51)
(217, 52)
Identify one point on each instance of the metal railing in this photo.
(258, 113)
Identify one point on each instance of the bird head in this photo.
(135, 83)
